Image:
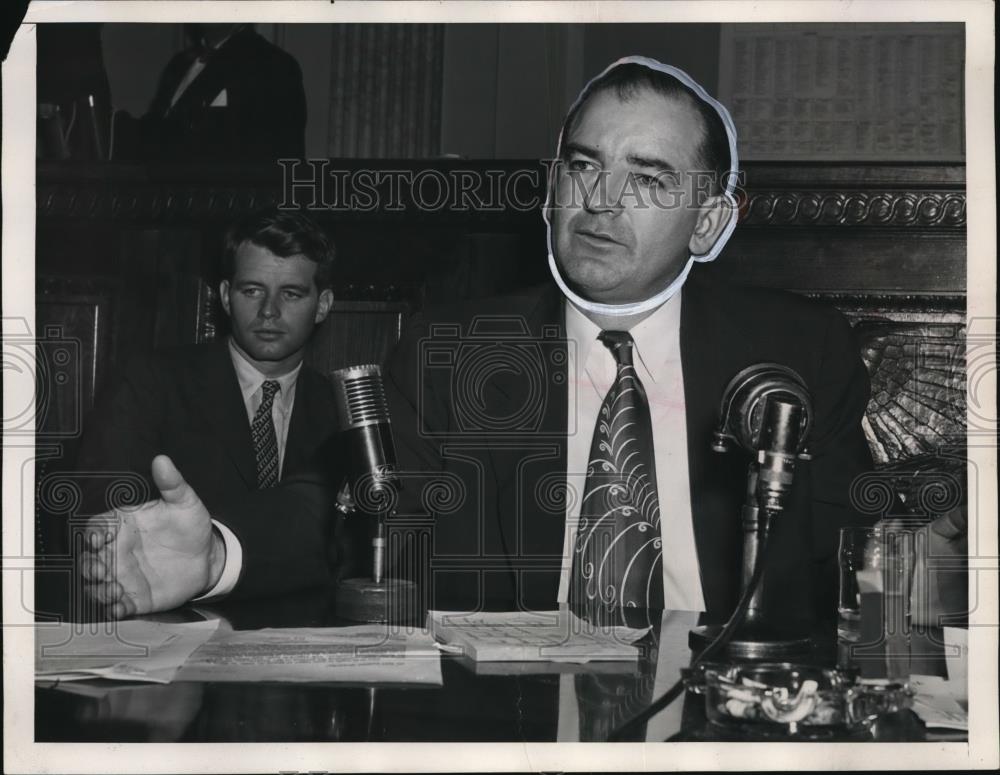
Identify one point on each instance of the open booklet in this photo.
(531, 636)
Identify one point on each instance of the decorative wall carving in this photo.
(924, 209)
(841, 196)
(914, 350)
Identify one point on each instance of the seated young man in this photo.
(242, 414)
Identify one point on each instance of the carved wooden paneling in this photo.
(915, 354)
(73, 321)
(886, 243)
(855, 208)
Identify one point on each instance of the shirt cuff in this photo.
(231, 569)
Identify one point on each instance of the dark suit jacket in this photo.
(478, 396)
(186, 403)
(487, 406)
(264, 118)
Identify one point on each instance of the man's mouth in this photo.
(268, 333)
(601, 238)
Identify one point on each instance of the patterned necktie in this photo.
(617, 560)
(265, 442)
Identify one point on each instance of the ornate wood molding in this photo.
(923, 209)
(886, 197)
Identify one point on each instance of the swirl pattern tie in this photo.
(265, 442)
(618, 554)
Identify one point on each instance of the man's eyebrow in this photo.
(651, 161)
(583, 150)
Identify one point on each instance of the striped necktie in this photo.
(265, 442)
(617, 560)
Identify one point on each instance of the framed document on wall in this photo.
(845, 92)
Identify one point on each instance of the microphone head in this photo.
(742, 412)
(360, 396)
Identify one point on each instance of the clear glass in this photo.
(873, 611)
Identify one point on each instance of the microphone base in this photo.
(389, 600)
(755, 642)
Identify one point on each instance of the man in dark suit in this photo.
(505, 395)
(240, 415)
(230, 95)
(528, 411)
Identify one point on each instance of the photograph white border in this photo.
(21, 754)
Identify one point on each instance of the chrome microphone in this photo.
(363, 422)
(364, 425)
(779, 437)
(767, 410)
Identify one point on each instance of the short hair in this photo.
(627, 78)
(285, 233)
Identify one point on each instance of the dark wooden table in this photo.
(476, 703)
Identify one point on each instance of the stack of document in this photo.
(123, 651)
(520, 636)
(370, 653)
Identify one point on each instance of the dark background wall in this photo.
(504, 87)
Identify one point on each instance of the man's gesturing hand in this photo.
(155, 556)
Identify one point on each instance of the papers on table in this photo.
(941, 703)
(122, 651)
(548, 636)
(373, 653)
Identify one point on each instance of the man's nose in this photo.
(269, 307)
(605, 196)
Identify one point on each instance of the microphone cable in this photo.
(720, 640)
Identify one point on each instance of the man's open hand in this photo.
(156, 556)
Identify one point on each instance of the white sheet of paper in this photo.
(943, 702)
(122, 651)
(370, 653)
(555, 636)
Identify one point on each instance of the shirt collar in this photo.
(251, 379)
(655, 337)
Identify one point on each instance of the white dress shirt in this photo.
(251, 381)
(592, 370)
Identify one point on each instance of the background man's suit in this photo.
(264, 116)
(503, 548)
(186, 403)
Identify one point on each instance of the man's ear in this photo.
(325, 302)
(713, 217)
(224, 295)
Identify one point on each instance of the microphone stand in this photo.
(768, 482)
(377, 599)
(372, 488)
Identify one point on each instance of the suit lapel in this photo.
(309, 427)
(213, 78)
(204, 88)
(533, 459)
(708, 363)
(225, 412)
